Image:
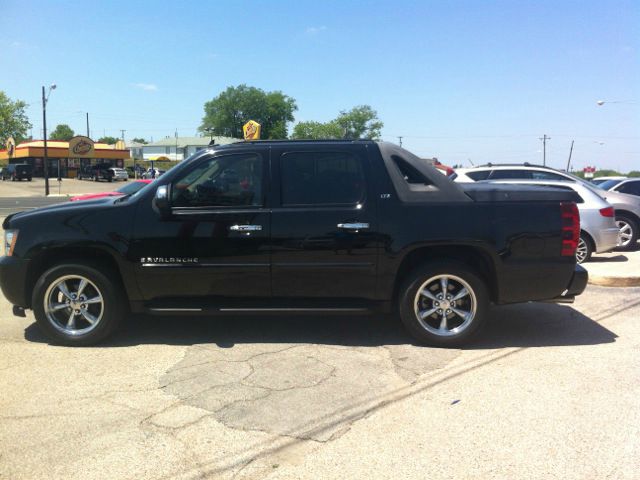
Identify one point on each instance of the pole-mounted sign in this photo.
(81, 146)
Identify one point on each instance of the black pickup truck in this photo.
(295, 227)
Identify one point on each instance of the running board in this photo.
(259, 310)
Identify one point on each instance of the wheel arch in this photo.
(475, 257)
(628, 213)
(56, 256)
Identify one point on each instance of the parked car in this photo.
(630, 186)
(128, 189)
(627, 207)
(599, 180)
(103, 171)
(295, 227)
(598, 230)
(17, 171)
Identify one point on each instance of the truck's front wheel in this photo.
(443, 304)
(77, 305)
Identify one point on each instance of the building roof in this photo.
(191, 141)
(60, 144)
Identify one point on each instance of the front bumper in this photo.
(13, 280)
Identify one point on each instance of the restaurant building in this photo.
(78, 153)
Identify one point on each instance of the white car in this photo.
(598, 230)
(119, 174)
(599, 180)
(627, 207)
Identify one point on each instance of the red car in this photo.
(128, 189)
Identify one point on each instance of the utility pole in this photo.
(544, 139)
(88, 125)
(122, 132)
(570, 152)
(176, 144)
(400, 139)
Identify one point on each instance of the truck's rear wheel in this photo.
(77, 305)
(443, 304)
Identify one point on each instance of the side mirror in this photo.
(161, 201)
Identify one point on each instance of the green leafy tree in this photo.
(359, 122)
(62, 132)
(606, 173)
(13, 119)
(228, 112)
(140, 140)
(317, 130)
(633, 173)
(108, 140)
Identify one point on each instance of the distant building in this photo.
(135, 149)
(32, 153)
(186, 146)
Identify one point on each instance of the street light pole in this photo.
(44, 132)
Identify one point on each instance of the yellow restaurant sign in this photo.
(251, 130)
(81, 147)
(11, 147)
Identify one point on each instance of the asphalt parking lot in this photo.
(547, 391)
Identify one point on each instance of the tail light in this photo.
(607, 212)
(570, 228)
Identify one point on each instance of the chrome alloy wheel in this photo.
(582, 251)
(445, 305)
(73, 305)
(626, 233)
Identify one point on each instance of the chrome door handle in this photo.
(353, 226)
(245, 228)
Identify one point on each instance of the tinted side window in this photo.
(632, 188)
(227, 181)
(539, 175)
(321, 178)
(517, 174)
(479, 175)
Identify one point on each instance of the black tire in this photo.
(110, 179)
(629, 227)
(29, 179)
(584, 249)
(426, 330)
(95, 178)
(107, 314)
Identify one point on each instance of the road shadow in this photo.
(521, 325)
(616, 259)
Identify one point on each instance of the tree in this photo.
(62, 132)
(228, 112)
(108, 140)
(359, 122)
(140, 140)
(633, 173)
(13, 119)
(317, 130)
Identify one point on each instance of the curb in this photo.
(614, 281)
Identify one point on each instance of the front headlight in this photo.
(10, 238)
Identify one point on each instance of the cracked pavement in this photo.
(547, 391)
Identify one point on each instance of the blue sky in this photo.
(463, 81)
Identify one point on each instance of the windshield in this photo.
(608, 184)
